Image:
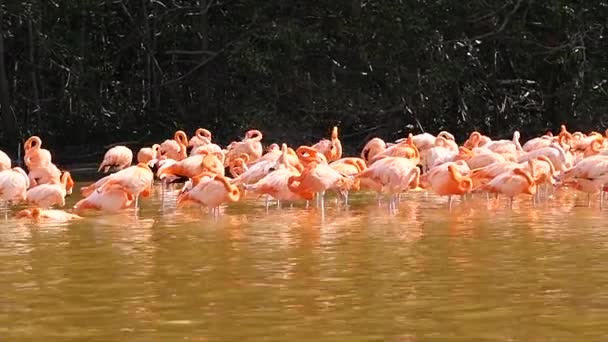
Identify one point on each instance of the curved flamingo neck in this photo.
(524, 174)
(203, 133)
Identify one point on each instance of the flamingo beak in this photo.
(68, 192)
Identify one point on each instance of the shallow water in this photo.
(480, 272)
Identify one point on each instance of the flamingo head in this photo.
(68, 181)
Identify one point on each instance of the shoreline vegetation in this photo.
(86, 74)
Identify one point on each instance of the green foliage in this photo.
(95, 72)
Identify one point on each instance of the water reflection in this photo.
(477, 271)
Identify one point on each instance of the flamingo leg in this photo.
(450, 202)
(346, 198)
(511, 202)
(322, 195)
(278, 204)
(162, 192)
(395, 202)
(588, 200)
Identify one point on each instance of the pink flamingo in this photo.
(117, 158)
(35, 155)
(350, 167)
(318, 178)
(276, 183)
(5, 161)
(560, 158)
(512, 184)
(111, 200)
(207, 148)
(331, 149)
(393, 174)
(175, 148)
(480, 159)
(201, 137)
(13, 185)
(446, 180)
(372, 148)
(44, 174)
(405, 148)
(437, 155)
(194, 165)
(539, 142)
(147, 154)
(251, 146)
(476, 139)
(307, 155)
(210, 190)
(38, 214)
(134, 180)
(262, 167)
(87, 190)
(46, 195)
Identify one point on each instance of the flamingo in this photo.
(594, 167)
(318, 178)
(424, 141)
(405, 148)
(538, 142)
(253, 173)
(46, 215)
(147, 154)
(135, 180)
(13, 185)
(46, 195)
(210, 190)
(588, 145)
(276, 182)
(393, 174)
(207, 148)
(372, 148)
(87, 190)
(513, 183)
(273, 152)
(560, 158)
(479, 159)
(111, 200)
(251, 146)
(35, 155)
(510, 149)
(117, 158)
(201, 137)
(5, 161)
(438, 154)
(307, 155)
(446, 180)
(350, 167)
(238, 166)
(44, 174)
(331, 149)
(194, 165)
(476, 139)
(175, 148)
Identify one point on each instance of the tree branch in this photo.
(504, 23)
(186, 52)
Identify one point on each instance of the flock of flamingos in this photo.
(418, 162)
